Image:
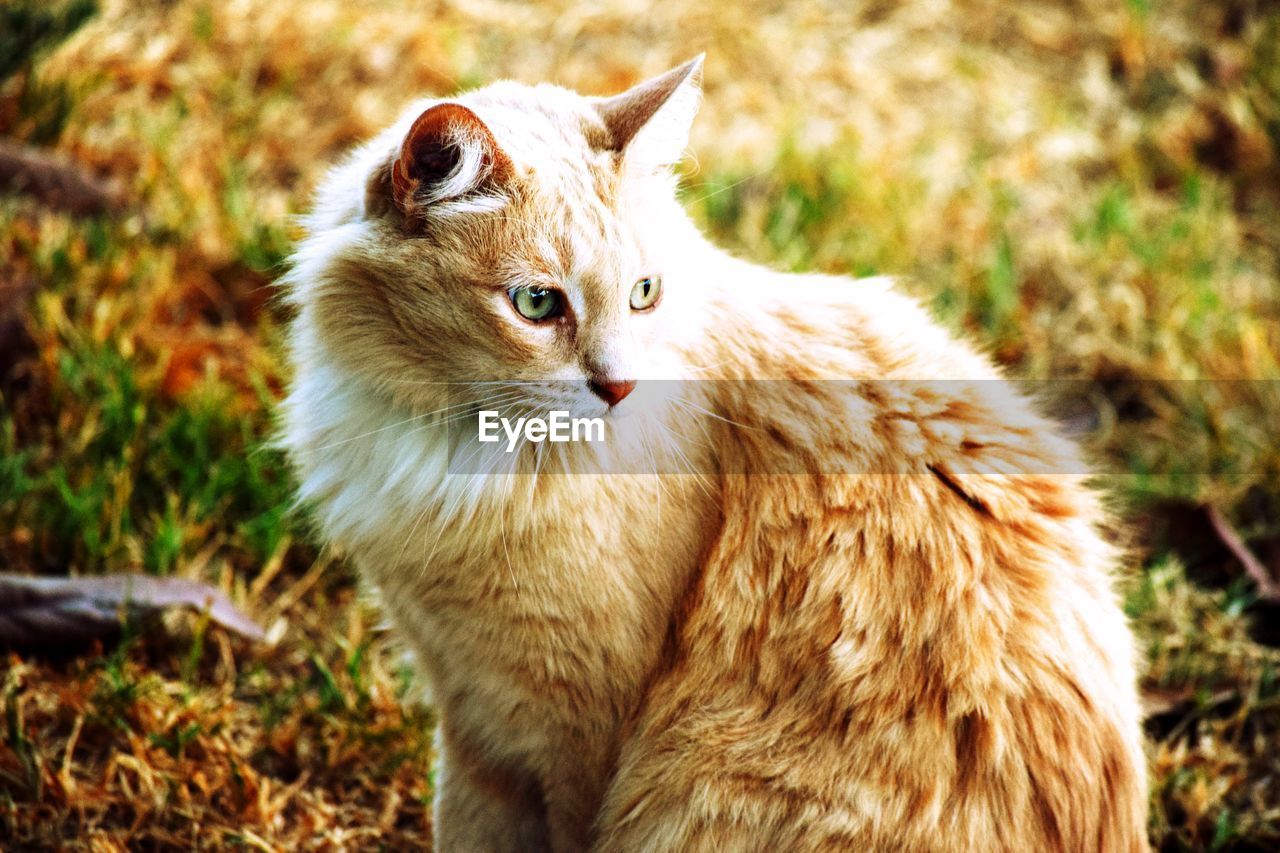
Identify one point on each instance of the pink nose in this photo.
(612, 391)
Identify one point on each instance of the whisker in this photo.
(506, 553)
(411, 419)
(657, 478)
(464, 383)
(422, 516)
(699, 479)
(448, 513)
(680, 401)
(707, 368)
(728, 187)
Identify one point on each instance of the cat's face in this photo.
(513, 236)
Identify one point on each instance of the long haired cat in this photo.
(855, 597)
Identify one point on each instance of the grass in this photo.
(1091, 191)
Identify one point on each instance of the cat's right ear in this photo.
(447, 154)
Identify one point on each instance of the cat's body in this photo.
(895, 650)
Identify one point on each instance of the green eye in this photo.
(646, 292)
(536, 303)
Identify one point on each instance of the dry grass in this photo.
(1090, 188)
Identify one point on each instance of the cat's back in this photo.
(910, 638)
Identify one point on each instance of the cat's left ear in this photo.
(650, 122)
(447, 154)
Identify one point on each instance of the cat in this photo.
(859, 600)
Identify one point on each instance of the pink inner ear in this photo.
(434, 146)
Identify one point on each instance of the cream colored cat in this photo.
(872, 611)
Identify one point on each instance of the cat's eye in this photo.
(537, 303)
(646, 292)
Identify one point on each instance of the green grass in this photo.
(124, 474)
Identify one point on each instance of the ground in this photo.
(1090, 189)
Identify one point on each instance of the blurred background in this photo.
(1091, 189)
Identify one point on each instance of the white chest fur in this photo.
(537, 606)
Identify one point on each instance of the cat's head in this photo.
(512, 234)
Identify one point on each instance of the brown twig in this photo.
(36, 611)
(1267, 586)
(56, 183)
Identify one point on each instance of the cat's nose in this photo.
(612, 391)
